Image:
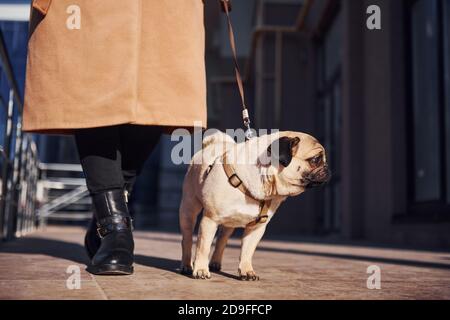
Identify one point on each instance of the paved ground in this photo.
(35, 267)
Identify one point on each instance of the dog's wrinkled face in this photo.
(302, 164)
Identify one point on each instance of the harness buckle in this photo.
(262, 219)
(234, 180)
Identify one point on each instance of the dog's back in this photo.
(213, 146)
(216, 137)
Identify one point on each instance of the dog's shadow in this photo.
(172, 266)
(226, 275)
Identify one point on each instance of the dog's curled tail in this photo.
(217, 137)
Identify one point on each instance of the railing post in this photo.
(4, 212)
(15, 182)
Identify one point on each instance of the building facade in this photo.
(379, 100)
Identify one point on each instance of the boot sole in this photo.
(111, 270)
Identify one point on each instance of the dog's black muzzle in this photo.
(317, 178)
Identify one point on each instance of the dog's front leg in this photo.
(250, 241)
(208, 228)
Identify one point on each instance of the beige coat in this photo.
(99, 63)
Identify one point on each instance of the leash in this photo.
(233, 178)
(249, 133)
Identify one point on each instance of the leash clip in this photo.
(249, 132)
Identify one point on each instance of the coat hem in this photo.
(70, 128)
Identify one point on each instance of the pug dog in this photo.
(241, 185)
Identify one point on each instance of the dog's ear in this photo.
(286, 148)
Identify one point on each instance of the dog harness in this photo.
(236, 182)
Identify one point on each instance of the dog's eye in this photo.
(316, 160)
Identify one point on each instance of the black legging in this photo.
(112, 157)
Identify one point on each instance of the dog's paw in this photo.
(215, 266)
(201, 274)
(186, 270)
(248, 276)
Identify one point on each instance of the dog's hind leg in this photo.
(221, 242)
(190, 208)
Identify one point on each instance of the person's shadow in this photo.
(76, 253)
(54, 248)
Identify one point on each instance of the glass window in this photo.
(446, 55)
(426, 104)
(329, 85)
(333, 48)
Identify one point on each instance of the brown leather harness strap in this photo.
(236, 182)
(42, 5)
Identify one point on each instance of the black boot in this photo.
(115, 254)
(92, 239)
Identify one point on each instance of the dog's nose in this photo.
(324, 175)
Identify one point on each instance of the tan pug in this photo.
(245, 192)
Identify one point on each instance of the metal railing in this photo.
(65, 191)
(19, 162)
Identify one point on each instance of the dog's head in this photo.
(301, 164)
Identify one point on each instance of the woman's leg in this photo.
(112, 158)
(100, 157)
(110, 241)
(137, 142)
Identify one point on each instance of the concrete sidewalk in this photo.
(34, 267)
